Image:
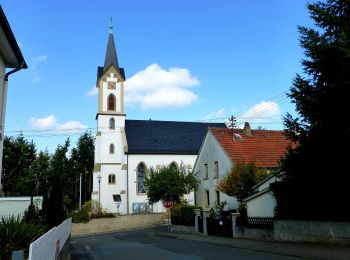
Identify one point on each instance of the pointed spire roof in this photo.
(111, 53)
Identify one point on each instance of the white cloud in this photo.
(37, 60)
(217, 115)
(92, 92)
(263, 112)
(50, 122)
(46, 122)
(155, 87)
(71, 126)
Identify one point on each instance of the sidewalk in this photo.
(303, 250)
(119, 223)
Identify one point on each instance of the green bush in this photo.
(32, 214)
(182, 214)
(103, 214)
(81, 216)
(90, 209)
(17, 234)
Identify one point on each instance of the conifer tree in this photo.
(315, 175)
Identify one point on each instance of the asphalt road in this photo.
(148, 244)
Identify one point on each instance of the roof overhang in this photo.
(9, 49)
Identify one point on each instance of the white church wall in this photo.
(117, 92)
(108, 137)
(154, 160)
(211, 152)
(108, 189)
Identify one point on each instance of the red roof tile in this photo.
(264, 147)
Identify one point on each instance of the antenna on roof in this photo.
(232, 125)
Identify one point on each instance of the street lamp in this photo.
(99, 188)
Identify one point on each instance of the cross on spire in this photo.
(111, 26)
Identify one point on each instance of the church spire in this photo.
(111, 53)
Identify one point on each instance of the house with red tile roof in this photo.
(222, 148)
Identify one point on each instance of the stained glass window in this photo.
(141, 171)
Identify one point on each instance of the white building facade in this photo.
(211, 165)
(126, 149)
(222, 148)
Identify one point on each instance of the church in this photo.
(125, 149)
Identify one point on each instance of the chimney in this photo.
(247, 130)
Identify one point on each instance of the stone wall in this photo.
(312, 231)
(254, 233)
(182, 229)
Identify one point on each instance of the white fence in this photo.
(49, 245)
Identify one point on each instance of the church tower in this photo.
(110, 175)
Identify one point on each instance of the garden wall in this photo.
(16, 205)
(254, 233)
(312, 231)
(182, 229)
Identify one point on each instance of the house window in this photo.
(174, 165)
(111, 179)
(111, 124)
(111, 148)
(207, 198)
(217, 197)
(111, 102)
(141, 172)
(205, 171)
(216, 170)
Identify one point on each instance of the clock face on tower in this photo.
(111, 85)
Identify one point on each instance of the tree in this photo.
(240, 179)
(169, 183)
(41, 172)
(314, 184)
(18, 159)
(55, 214)
(82, 161)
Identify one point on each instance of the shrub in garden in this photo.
(81, 216)
(32, 214)
(17, 234)
(182, 214)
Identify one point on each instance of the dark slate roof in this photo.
(111, 54)
(110, 59)
(165, 137)
(5, 26)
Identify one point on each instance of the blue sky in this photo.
(184, 61)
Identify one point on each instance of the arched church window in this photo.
(141, 172)
(111, 148)
(111, 179)
(111, 103)
(174, 165)
(111, 123)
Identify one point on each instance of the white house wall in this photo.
(153, 161)
(2, 109)
(210, 152)
(262, 206)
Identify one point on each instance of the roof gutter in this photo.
(14, 70)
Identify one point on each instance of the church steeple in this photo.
(111, 53)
